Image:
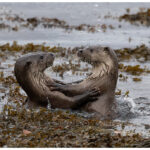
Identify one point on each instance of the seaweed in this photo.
(137, 79)
(141, 17)
(134, 70)
(22, 127)
(140, 53)
(47, 23)
(44, 127)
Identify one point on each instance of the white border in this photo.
(74, 1)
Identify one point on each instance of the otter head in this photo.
(29, 72)
(103, 59)
(95, 55)
(36, 61)
(32, 64)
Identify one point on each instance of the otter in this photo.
(104, 76)
(29, 72)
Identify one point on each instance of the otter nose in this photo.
(80, 52)
(52, 55)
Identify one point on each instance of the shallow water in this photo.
(75, 14)
(135, 109)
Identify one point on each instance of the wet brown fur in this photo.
(29, 72)
(104, 77)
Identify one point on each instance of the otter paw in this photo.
(56, 87)
(94, 92)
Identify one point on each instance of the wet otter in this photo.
(104, 76)
(29, 72)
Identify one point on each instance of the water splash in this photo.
(125, 107)
(49, 104)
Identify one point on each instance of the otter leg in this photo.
(59, 82)
(30, 104)
(88, 96)
(68, 89)
(75, 82)
(59, 100)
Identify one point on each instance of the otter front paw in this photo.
(57, 87)
(93, 94)
(59, 82)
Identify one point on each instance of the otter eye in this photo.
(106, 48)
(41, 57)
(28, 63)
(91, 50)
